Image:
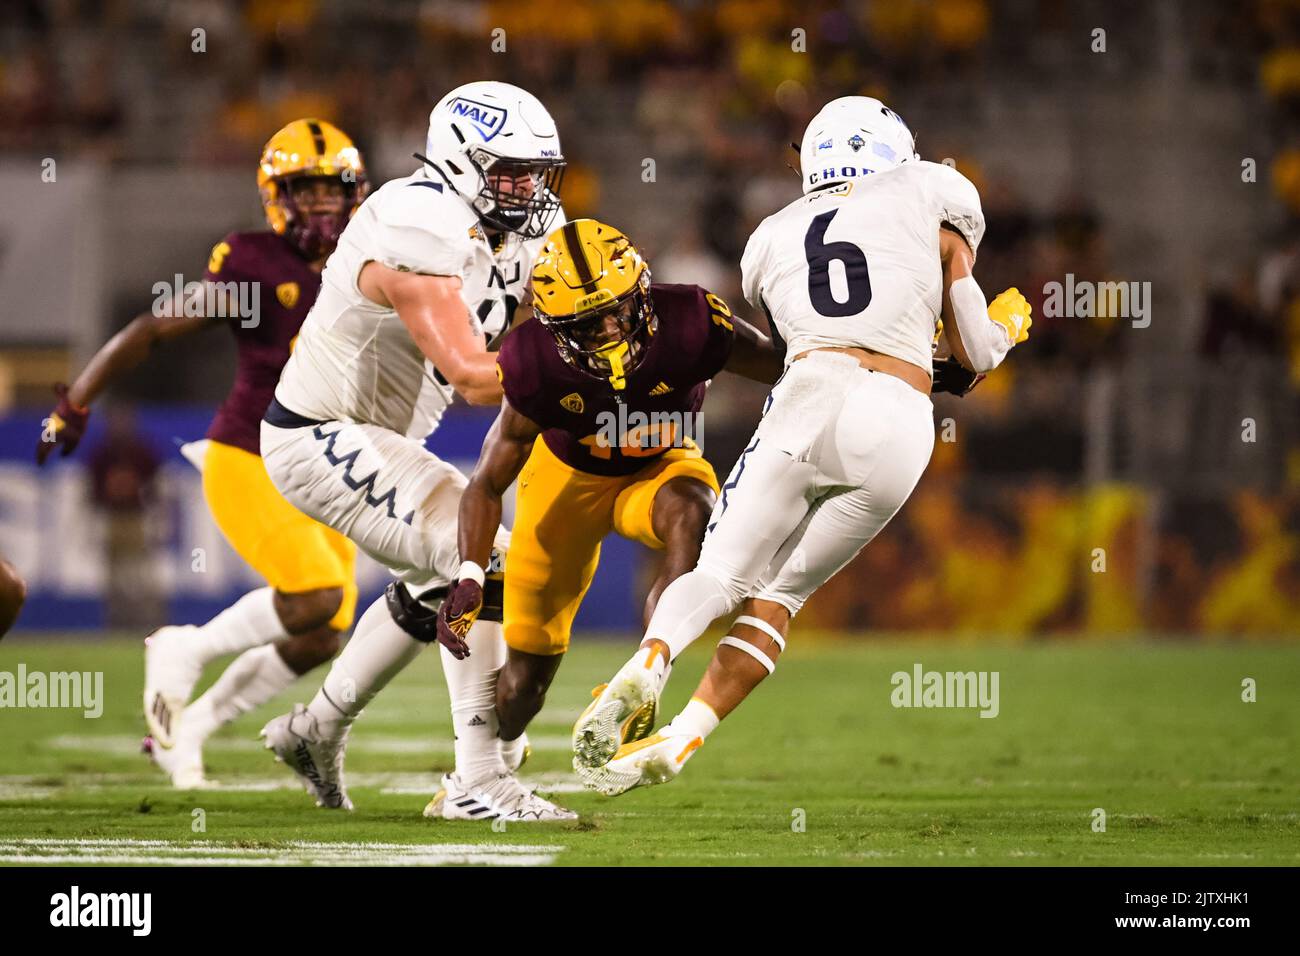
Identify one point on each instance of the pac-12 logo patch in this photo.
(572, 403)
(486, 119)
(287, 294)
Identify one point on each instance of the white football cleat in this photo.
(502, 796)
(183, 763)
(296, 741)
(170, 672)
(642, 763)
(624, 710)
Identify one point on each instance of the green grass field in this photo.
(1156, 735)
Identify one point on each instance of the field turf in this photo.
(817, 768)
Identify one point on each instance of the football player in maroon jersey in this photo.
(602, 394)
(259, 285)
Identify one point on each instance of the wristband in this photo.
(469, 571)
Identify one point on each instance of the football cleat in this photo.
(624, 710)
(502, 796)
(183, 763)
(643, 763)
(296, 741)
(170, 672)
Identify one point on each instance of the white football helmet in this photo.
(853, 136)
(483, 133)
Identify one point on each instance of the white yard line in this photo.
(295, 853)
(120, 745)
(26, 787)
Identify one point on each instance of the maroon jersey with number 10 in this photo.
(691, 344)
(285, 288)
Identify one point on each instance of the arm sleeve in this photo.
(985, 341)
(957, 202)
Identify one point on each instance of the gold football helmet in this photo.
(591, 290)
(309, 148)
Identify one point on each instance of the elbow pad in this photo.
(986, 341)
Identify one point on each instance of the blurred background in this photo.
(1113, 478)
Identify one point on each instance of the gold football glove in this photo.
(1011, 311)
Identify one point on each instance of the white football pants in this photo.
(389, 494)
(838, 451)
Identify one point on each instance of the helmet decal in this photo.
(486, 120)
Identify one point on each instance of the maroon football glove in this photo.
(457, 616)
(65, 426)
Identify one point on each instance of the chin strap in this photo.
(614, 355)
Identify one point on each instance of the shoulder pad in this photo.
(519, 364)
(421, 225)
(956, 201)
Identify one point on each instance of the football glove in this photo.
(65, 426)
(457, 615)
(953, 377)
(1011, 311)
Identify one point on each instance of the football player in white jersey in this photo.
(854, 277)
(427, 274)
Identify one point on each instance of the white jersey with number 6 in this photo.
(857, 263)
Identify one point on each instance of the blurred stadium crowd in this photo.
(676, 118)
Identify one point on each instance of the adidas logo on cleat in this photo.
(161, 711)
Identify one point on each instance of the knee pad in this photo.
(410, 614)
(418, 615)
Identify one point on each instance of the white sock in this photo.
(512, 751)
(686, 608)
(249, 622)
(697, 719)
(377, 652)
(472, 687)
(252, 678)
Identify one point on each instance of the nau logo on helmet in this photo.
(287, 293)
(488, 120)
(572, 403)
(856, 142)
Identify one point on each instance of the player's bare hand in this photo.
(65, 426)
(1011, 311)
(457, 616)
